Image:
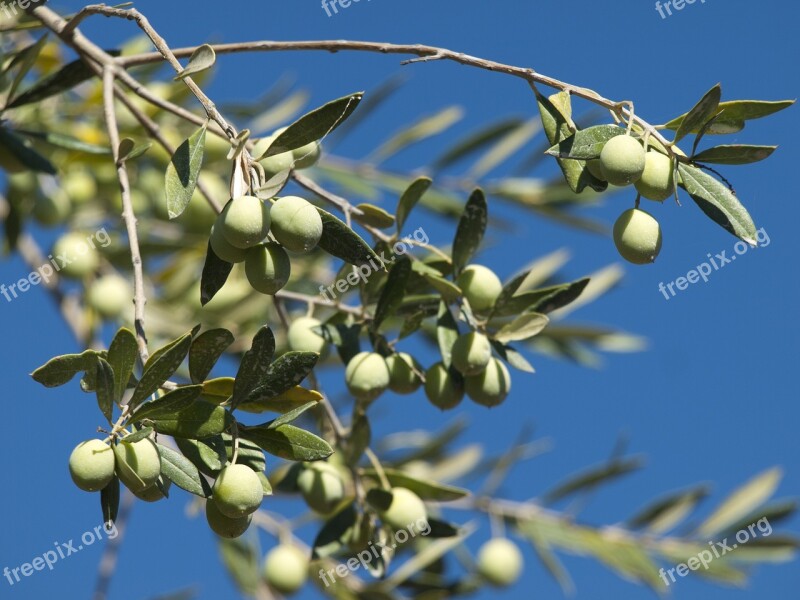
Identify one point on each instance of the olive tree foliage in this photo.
(105, 141)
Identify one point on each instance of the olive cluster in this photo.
(240, 231)
(94, 463)
(474, 371)
(623, 161)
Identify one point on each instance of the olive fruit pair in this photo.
(623, 161)
(93, 463)
(500, 562)
(286, 568)
(637, 236)
(236, 495)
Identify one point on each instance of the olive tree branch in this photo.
(424, 53)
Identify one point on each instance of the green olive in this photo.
(224, 249)
(500, 562)
(111, 296)
(480, 286)
(405, 511)
(471, 353)
(622, 159)
(321, 486)
(91, 465)
(76, 255)
(490, 387)
(637, 236)
(404, 373)
(237, 491)
(595, 167)
(223, 526)
(367, 376)
(286, 568)
(267, 267)
(301, 336)
(658, 179)
(51, 209)
(443, 389)
(296, 224)
(154, 493)
(138, 464)
(245, 221)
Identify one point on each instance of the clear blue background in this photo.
(715, 397)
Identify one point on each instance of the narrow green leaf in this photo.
(170, 403)
(702, 112)
(288, 441)
(471, 229)
(586, 144)
(24, 61)
(410, 198)
(427, 490)
(182, 472)
(314, 126)
(737, 112)
(129, 150)
(66, 78)
(201, 60)
(215, 274)
(64, 141)
(104, 388)
(522, 328)
(61, 369)
(374, 216)
(183, 171)
(254, 368)
(138, 436)
(200, 420)
(208, 454)
(743, 501)
(206, 350)
(508, 147)
(544, 300)
(157, 371)
(446, 333)
(250, 453)
(342, 242)
(393, 291)
(665, 514)
(358, 440)
(594, 477)
(718, 202)
(122, 356)
(23, 154)
(333, 536)
(242, 559)
(422, 129)
(476, 141)
(109, 501)
(513, 357)
(282, 375)
(734, 154)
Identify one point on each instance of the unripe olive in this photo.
(637, 236)
(500, 562)
(276, 163)
(321, 486)
(406, 510)
(223, 248)
(267, 267)
(138, 464)
(91, 465)
(490, 387)
(154, 493)
(80, 256)
(595, 167)
(79, 186)
(245, 221)
(622, 159)
(403, 373)
(286, 568)
(110, 296)
(442, 388)
(237, 491)
(301, 336)
(367, 376)
(296, 224)
(658, 179)
(223, 526)
(471, 353)
(51, 209)
(307, 156)
(480, 286)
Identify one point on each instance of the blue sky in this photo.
(713, 399)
